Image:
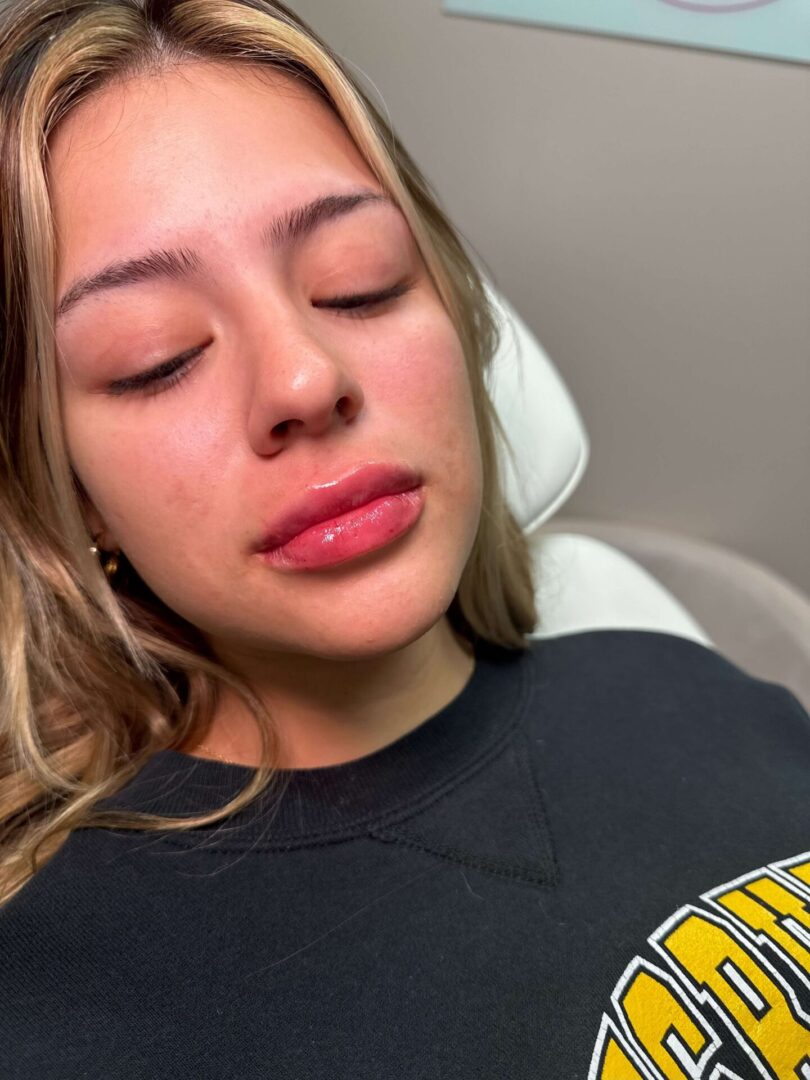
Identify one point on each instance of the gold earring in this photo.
(111, 565)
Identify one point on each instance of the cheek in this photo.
(420, 373)
(426, 399)
(146, 476)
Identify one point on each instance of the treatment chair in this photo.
(593, 575)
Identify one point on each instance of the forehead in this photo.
(190, 148)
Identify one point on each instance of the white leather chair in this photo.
(592, 575)
(582, 583)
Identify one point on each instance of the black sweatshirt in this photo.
(594, 862)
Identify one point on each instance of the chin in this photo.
(378, 629)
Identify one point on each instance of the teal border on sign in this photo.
(777, 29)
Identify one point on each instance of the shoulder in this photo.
(651, 685)
(64, 893)
(642, 661)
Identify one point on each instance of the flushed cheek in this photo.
(432, 402)
(431, 388)
(423, 373)
(154, 485)
(181, 531)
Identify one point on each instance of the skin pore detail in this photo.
(194, 178)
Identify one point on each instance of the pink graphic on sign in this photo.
(717, 7)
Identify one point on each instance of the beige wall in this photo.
(646, 209)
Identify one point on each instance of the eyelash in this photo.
(149, 383)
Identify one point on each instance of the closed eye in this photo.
(169, 372)
(355, 301)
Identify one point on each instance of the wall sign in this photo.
(771, 28)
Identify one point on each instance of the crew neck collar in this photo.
(341, 801)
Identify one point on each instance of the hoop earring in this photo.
(111, 565)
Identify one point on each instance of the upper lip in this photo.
(324, 501)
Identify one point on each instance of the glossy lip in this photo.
(324, 501)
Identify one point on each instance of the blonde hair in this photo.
(97, 678)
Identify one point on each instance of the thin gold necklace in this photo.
(228, 761)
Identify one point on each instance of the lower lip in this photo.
(358, 531)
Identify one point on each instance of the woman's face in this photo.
(285, 392)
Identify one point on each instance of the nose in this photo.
(302, 385)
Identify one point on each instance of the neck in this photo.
(327, 712)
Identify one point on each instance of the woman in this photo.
(287, 788)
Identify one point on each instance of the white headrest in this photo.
(541, 420)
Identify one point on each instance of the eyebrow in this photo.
(177, 264)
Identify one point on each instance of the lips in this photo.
(322, 502)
